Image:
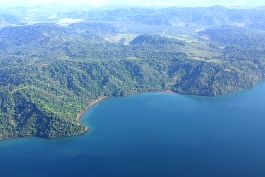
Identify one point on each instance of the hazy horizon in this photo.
(143, 3)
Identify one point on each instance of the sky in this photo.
(156, 3)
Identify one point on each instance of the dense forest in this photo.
(49, 73)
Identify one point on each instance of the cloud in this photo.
(45, 2)
(157, 3)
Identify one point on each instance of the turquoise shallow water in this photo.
(153, 135)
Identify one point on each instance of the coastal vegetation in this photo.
(50, 73)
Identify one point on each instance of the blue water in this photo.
(153, 135)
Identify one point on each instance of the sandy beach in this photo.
(91, 104)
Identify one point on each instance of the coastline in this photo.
(103, 98)
(90, 105)
(168, 91)
(79, 117)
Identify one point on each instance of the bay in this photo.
(153, 135)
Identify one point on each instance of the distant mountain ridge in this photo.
(188, 17)
(173, 16)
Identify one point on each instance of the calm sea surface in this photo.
(153, 135)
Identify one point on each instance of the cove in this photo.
(153, 135)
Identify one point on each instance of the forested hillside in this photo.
(49, 73)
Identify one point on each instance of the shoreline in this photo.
(87, 108)
(90, 105)
(79, 117)
(168, 91)
(103, 98)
